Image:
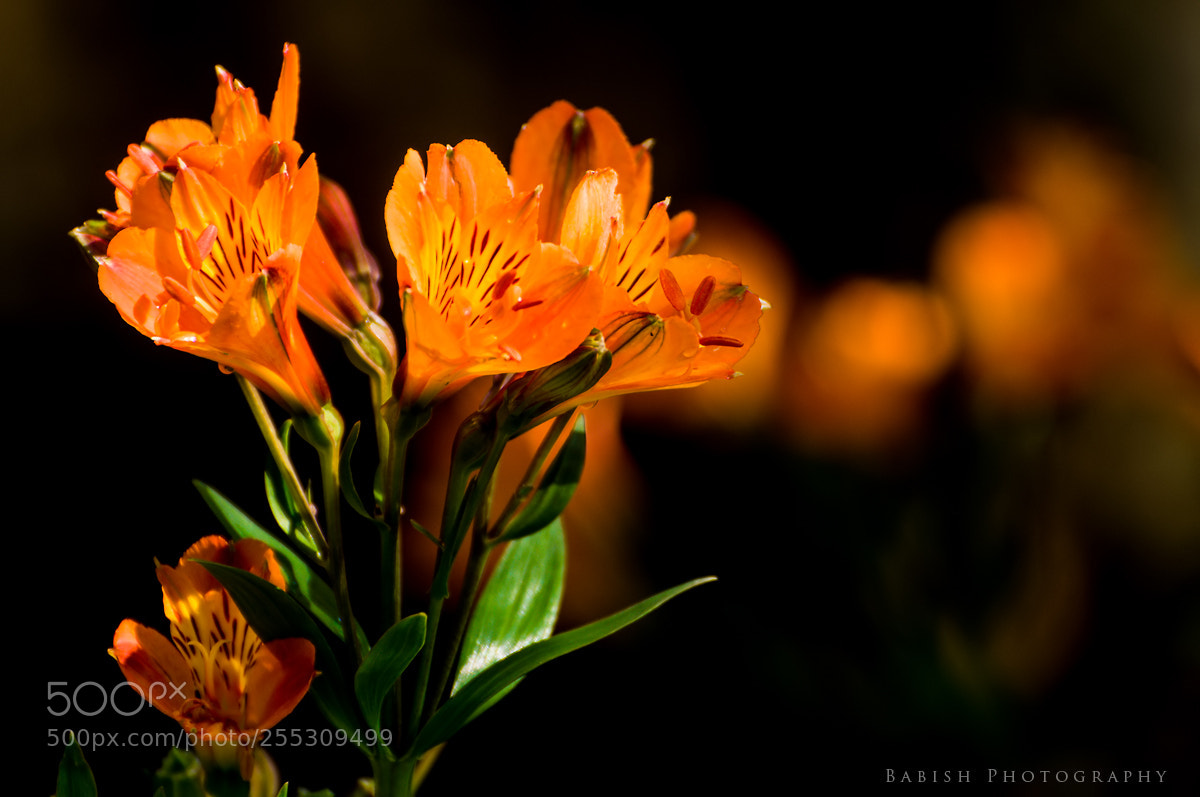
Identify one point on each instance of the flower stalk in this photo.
(314, 541)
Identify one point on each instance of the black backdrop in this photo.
(850, 130)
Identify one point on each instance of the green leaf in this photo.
(385, 663)
(75, 777)
(348, 488)
(520, 603)
(274, 614)
(473, 698)
(555, 489)
(305, 584)
(283, 791)
(283, 509)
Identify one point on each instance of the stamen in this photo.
(190, 249)
(721, 340)
(205, 241)
(145, 159)
(703, 293)
(178, 292)
(671, 289)
(119, 183)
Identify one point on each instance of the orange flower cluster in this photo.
(215, 676)
(219, 243)
(505, 274)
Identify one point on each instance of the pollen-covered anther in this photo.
(118, 183)
(671, 289)
(177, 291)
(146, 160)
(703, 294)
(205, 242)
(721, 340)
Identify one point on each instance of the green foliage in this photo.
(520, 603)
(555, 489)
(74, 775)
(486, 687)
(304, 583)
(386, 662)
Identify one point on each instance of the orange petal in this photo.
(282, 672)
(560, 145)
(287, 96)
(639, 258)
(151, 663)
(170, 136)
(592, 220)
(468, 176)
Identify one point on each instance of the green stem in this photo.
(458, 512)
(393, 777)
(337, 552)
(529, 481)
(476, 563)
(316, 542)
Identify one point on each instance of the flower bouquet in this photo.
(555, 281)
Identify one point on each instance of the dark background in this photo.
(850, 134)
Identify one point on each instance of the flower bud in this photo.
(93, 237)
(335, 217)
(533, 398)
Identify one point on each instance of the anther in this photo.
(671, 289)
(703, 293)
(721, 340)
(119, 183)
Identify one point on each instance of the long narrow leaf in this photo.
(305, 584)
(556, 487)
(520, 603)
(483, 689)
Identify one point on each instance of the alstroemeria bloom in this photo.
(242, 149)
(215, 676)
(669, 321)
(218, 279)
(481, 294)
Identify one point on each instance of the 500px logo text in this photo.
(90, 698)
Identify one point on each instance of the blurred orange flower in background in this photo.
(862, 363)
(1071, 273)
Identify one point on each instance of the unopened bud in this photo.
(534, 396)
(93, 237)
(335, 217)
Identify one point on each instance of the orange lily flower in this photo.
(561, 144)
(219, 280)
(242, 149)
(669, 320)
(215, 676)
(481, 295)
